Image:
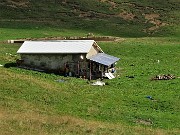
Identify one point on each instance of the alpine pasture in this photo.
(34, 102)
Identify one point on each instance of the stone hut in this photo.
(80, 58)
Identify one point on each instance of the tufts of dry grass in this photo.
(37, 123)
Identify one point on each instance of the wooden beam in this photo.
(78, 69)
(90, 70)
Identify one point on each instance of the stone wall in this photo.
(74, 64)
(52, 61)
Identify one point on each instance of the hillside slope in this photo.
(38, 103)
(34, 102)
(127, 18)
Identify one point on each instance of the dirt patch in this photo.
(153, 28)
(126, 16)
(89, 36)
(151, 16)
(144, 122)
(111, 3)
(129, 4)
(2, 113)
(18, 3)
(153, 19)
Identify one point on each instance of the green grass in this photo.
(34, 103)
(100, 18)
(36, 32)
(29, 98)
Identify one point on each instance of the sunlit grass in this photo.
(35, 103)
(122, 101)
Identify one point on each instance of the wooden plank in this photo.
(108, 76)
(111, 75)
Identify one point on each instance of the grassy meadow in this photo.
(36, 103)
(124, 18)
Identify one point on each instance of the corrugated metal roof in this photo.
(104, 59)
(58, 46)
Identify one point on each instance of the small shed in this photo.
(80, 58)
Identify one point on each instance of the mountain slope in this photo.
(128, 18)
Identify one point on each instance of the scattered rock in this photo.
(18, 3)
(126, 16)
(130, 76)
(98, 83)
(144, 122)
(60, 80)
(163, 77)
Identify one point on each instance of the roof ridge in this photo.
(60, 41)
(60, 46)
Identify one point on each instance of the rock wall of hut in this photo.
(53, 61)
(77, 64)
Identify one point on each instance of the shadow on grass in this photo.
(12, 64)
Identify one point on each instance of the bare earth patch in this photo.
(151, 16)
(18, 3)
(153, 19)
(126, 16)
(111, 3)
(144, 122)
